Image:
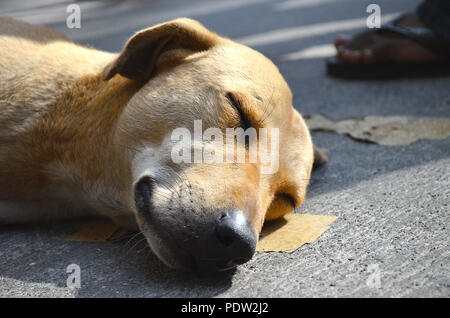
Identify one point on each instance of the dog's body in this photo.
(85, 132)
(50, 102)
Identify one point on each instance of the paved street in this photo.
(392, 202)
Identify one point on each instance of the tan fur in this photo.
(79, 126)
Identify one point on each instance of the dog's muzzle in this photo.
(217, 241)
(234, 239)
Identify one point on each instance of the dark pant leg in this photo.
(435, 14)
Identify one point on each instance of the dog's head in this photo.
(195, 211)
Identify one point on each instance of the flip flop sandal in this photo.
(424, 37)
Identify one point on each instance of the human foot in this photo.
(374, 47)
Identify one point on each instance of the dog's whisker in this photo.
(179, 179)
(133, 237)
(121, 238)
(131, 248)
(264, 119)
(143, 249)
(163, 196)
(168, 187)
(265, 111)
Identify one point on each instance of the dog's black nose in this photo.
(235, 238)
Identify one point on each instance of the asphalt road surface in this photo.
(392, 202)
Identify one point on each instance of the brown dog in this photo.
(85, 132)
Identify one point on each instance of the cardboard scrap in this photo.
(291, 231)
(390, 131)
(97, 231)
(282, 235)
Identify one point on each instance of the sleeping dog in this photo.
(89, 133)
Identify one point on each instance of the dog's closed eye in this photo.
(234, 101)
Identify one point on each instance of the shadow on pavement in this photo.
(127, 268)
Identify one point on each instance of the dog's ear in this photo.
(140, 54)
(320, 157)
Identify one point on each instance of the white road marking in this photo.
(313, 52)
(54, 14)
(98, 29)
(295, 33)
(297, 4)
